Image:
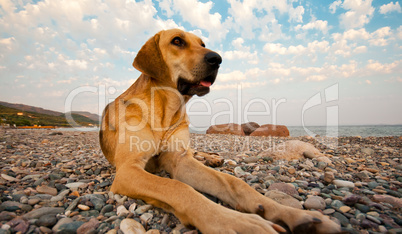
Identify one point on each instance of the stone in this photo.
(309, 155)
(342, 219)
(14, 206)
(271, 130)
(315, 202)
(329, 177)
(130, 226)
(285, 188)
(73, 204)
(35, 214)
(19, 224)
(249, 127)
(231, 128)
(142, 209)
(372, 184)
(61, 222)
(83, 207)
(70, 227)
(363, 208)
(284, 199)
(45, 230)
(343, 183)
(154, 231)
(9, 178)
(89, 227)
(337, 204)
(46, 190)
(250, 159)
(292, 170)
(60, 196)
(106, 209)
(48, 220)
(97, 200)
(7, 216)
(367, 151)
(122, 211)
(328, 211)
(75, 185)
(324, 159)
(240, 172)
(345, 209)
(351, 199)
(395, 202)
(146, 217)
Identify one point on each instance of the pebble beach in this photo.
(58, 182)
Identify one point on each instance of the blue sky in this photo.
(273, 52)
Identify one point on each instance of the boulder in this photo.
(231, 128)
(271, 130)
(249, 127)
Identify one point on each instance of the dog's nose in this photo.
(213, 59)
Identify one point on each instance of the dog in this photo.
(145, 130)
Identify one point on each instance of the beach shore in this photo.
(58, 182)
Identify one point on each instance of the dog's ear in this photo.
(149, 59)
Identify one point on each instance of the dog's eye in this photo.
(202, 44)
(177, 41)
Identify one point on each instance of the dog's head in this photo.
(181, 59)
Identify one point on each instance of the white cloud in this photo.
(312, 48)
(334, 6)
(321, 25)
(245, 20)
(232, 76)
(275, 48)
(243, 85)
(198, 15)
(241, 52)
(390, 7)
(360, 49)
(399, 33)
(296, 14)
(368, 82)
(166, 6)
(380, 36)
(387, 68)
(359, 13)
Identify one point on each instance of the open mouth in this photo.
(199, 88)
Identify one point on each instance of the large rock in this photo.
(271, 130)
(249, 127)
(231, 128)
(394, 201)
(315, 202)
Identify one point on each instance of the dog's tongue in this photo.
(205, 83)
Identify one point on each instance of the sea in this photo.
(330, 131)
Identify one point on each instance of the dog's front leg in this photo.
(241, 196)
(188, 205)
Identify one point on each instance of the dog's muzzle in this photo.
(200, 87)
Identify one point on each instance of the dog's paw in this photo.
(304, 221)
(209, 159)
(236, 222)
(214, 162)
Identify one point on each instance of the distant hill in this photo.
(87, 114)
(24, 115)
(30, 108)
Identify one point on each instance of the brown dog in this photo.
(146, 129)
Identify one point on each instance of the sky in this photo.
(284, 61)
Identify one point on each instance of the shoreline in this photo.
(397, 133)
(64, 175)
